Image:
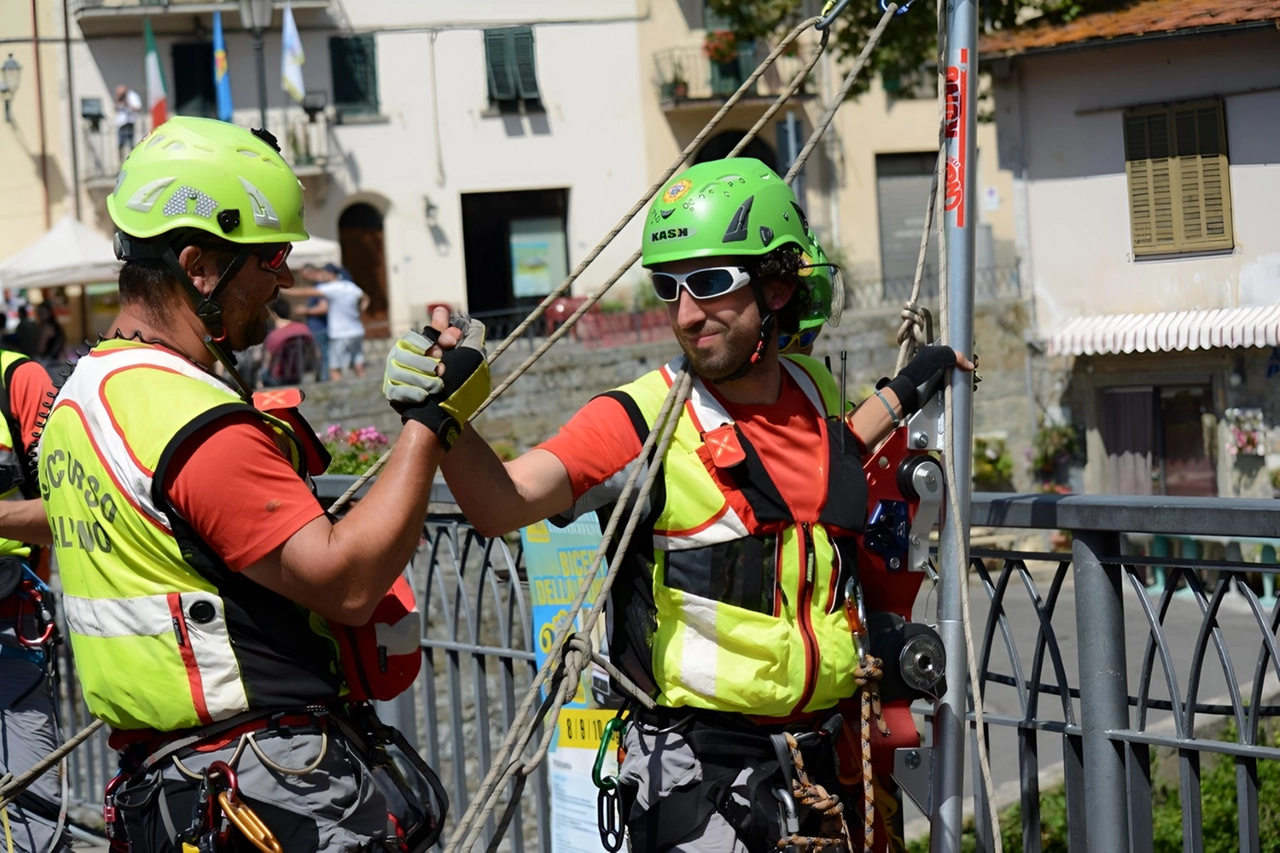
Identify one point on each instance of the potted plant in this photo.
(1053, 448)
(676, 88)
(721, 46)
(992, 465)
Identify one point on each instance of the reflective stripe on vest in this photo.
(150, 633)
(789, 649)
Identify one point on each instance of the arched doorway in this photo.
(719, 146)
(364, 254)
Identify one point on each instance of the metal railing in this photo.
(685, 74)
(1103, 692)
(303, 144)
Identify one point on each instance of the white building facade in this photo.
(1146, 171)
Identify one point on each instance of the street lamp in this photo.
(255, 16)
(10, 77)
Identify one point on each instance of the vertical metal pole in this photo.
(262, 75)
(960, 210)
(1104, 689)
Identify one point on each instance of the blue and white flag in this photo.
(221, 81)
(291, 57)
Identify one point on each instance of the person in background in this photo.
(290, 349)
(27, 335)
(28, 728)
(53, 341)
(316, 313)
(128, 106)
(343, 302)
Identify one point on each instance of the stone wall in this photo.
(571, 373)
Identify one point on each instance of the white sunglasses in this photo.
(702, 284)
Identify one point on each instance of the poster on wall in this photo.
(556, 562)
(539, 258)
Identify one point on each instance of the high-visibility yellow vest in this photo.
(165, 635)
(15, 485)
(736, 616)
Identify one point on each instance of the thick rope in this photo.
(834, 827)
(11, 786)
(867, 675)
(505, 764)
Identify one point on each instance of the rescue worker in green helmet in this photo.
(727, 609)
(204, 582)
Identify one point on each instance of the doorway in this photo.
(364, 254)
(1160, 440)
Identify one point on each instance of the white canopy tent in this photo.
(68, 254)
(317, 250)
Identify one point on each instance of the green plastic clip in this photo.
(611, 728)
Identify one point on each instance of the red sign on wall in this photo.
(957, 129)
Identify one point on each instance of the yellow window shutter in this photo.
(1152, 218)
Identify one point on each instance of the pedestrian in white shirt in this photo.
(128, 106)
(345, 302)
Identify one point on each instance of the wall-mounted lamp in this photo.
(10, 78)
(313, 103)
(431, 210)
(91, 111)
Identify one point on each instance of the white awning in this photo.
(1169, 331)
(69, 253)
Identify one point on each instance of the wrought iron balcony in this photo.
(686, 78)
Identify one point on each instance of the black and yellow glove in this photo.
(444, 403)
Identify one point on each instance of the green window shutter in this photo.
(354, 66)
(500, 65)
(526, 75)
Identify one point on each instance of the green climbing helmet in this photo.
(210, 175)
(737, 206)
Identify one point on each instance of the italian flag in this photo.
(157, 102)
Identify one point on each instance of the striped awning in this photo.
(1168, 331)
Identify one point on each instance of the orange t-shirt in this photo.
(234, 486)
(29, 387)
(599, 441)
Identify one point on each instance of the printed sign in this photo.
(957, 100)
(556, 563)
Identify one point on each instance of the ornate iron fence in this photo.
(1101, 697)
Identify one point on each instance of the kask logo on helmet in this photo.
(672, 234)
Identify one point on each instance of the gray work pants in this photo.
(28, 734)
(334, 807)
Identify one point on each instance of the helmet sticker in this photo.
(119, 182)
(676, 191)
(180, 203)
(148, 194)
(667, 212)
(263, 213)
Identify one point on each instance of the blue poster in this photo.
(557, 561)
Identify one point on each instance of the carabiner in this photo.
(835, 7)
(246, 820)
(605, 783)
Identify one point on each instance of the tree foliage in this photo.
(911, 40)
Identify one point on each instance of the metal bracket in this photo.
(829, 17)
(927, 480)
(913, 771)
(926, 427)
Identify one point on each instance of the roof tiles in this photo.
(1148, 17)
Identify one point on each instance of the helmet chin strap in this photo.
(762, 340)
(210, 312)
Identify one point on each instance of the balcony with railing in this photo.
(303, 143)
(687, 79)
(101, 18)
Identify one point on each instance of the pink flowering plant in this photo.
(1246, 433)
(353, 451)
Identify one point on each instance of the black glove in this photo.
(921, 378)
(464, 385)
